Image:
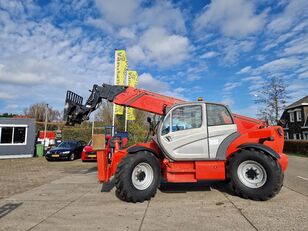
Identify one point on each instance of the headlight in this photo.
(48, 152)
(66, 152)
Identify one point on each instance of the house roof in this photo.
(300, 102)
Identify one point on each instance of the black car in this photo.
(67, 150)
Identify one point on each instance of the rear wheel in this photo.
(254, 175)
(137, 177)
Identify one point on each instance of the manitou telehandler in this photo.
(193, 141)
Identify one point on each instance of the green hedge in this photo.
(137, 132)
(78, 132)
(296, 146)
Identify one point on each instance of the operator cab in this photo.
(196, 131)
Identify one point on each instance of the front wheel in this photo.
(254, 175)
(72, 157)
(137, 177)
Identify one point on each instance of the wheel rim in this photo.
(142, 176)
(252, 174)
(72, 156)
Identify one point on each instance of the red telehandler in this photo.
(193, 141)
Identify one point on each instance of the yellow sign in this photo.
(132, 82)
(120, 74)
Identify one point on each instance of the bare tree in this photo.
(38, 111)
(137, 129)
(272, 98)
(104, 113)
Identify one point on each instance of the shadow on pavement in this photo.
(82, 171)
(199, 186)
(7, 208)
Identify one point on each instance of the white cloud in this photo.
(126, 32)
(162, 14)
(297, 89)
(234, 18)
(11, 107)
(100, 24)
(118, 12)
(252, 79)
(279, 65)
(244, 70)
(148, 82)
(297, 46)
(291, 14)
(303, 75)
(228, 101)
(154, 34)
(231, 85)
(136, 54)
(232, 49)
(40, 61)
(158, 47)
(251, 110)
(5, 96)
(208, 55)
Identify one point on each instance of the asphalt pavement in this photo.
(74, 202)
(296, 177)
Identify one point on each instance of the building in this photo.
(295, 120)
(17, 137)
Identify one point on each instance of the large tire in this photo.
(254, 175)
(137, 177)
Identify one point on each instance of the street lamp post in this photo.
(46, 120)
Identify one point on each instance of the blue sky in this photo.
(221, 50)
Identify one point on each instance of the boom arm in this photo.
(76, 112)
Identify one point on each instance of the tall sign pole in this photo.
(125, 108)
(132, 81)
(46, 120)
(121, 65)
(115, 82)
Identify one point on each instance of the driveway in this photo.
(74, 202)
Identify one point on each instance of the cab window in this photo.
(166, 126)
(218, 115)
(186, 117)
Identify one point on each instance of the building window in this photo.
(286, 135)
(298, 116)
(13, 135)
(291, 117)
(297, 136)
(305, 136)
(19, 135)
(6, 135)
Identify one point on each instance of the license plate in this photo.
(55, 155)
(91, 156)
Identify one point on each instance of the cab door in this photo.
(183, 133)
(220, 126)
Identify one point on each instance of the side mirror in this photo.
(281, 122)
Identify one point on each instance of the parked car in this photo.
(87, 153)
(67, 150)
